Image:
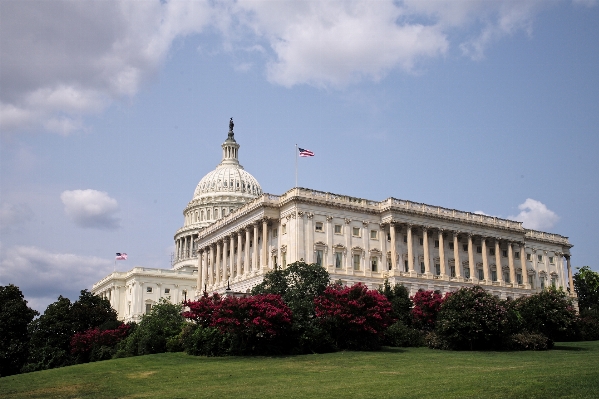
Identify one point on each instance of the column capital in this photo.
(347, 221)
(329, 218)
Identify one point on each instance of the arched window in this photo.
(208, 214)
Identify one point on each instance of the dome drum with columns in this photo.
(217, 194)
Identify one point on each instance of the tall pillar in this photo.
(427, 266)
(410, 252)
(218, 261)
(510, 260)
(498, 261)
(456, 255)
(225, 262)
(212, 266)
(442, 254)
(246, 252)
(309, 234)
(329, 234)
(523, 265)
(265, 243)
(570, 279)
(393, 246)
(471, 264)
(348, 255)
(200, 272)
(255, 265)
(483, 242)
(238, 262)
(204, 269)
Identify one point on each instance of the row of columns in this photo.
(184, 247)
(456, 255)
(216, 267)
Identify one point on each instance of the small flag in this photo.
(305, 153)
(121, 256)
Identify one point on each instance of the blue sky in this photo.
(111, 112)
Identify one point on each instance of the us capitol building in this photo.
(233, 234)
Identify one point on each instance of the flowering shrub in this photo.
(84, 344)
(355, 316)
(550, 312)
(251, 325)
(471, 319)
(426, 307)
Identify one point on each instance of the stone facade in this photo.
(233, 234)
(359, 240)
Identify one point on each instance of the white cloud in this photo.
(91, 209)
(480, 213)
(62, 60)
(43, 275)
(535, 215)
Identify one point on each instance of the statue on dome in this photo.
(231, 124)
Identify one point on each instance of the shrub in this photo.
(587, 325)
(549, 312)
(398, 334)
(96, 344)
(528, 341)
(471, 319)
(355, 317)
(254, 325)
(434, 341)
(426, 307)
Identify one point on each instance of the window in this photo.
(275, 233)
(167, 290)
(388, 236)
(451, 245)
(493, 275)
(504, 253)
(284, 259)
(389, 264)
(284, 229)
(319, 257)
(436, 243)
(532, 282)
(338, 229)
(517, 256)
(374, 234)
(374, 264)
(452, 268)
(422, 270)
(542, 283)
(405, 266)
(551, 259)
(481, 274)
(479, 250)
(148, 289)
(466, 272)
(438, 269)
(274, 260)
(356, 232)
(421, 241)
(519, 278)
(554, 281)
(405, 238)
(465, 247)
(148, 308)
(356, 262)
(318, 226)
(506, 277)
(491, 251)
(338, 259)
(540, 258)
(528, 257)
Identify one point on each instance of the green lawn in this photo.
(570, 370)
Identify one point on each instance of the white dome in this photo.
(227, 179)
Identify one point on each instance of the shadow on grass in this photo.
(393, 349)
(565, 347)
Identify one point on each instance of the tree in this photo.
(155, 332)
(51, 333)
(15, 317)
(355, 317)
(399, 297)
(299, 284)
(586, 284)
(426, 307)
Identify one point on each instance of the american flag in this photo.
(305, 153)
(121, 256)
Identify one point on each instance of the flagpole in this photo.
(296, 166)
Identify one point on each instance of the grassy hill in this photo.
(570, 370)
